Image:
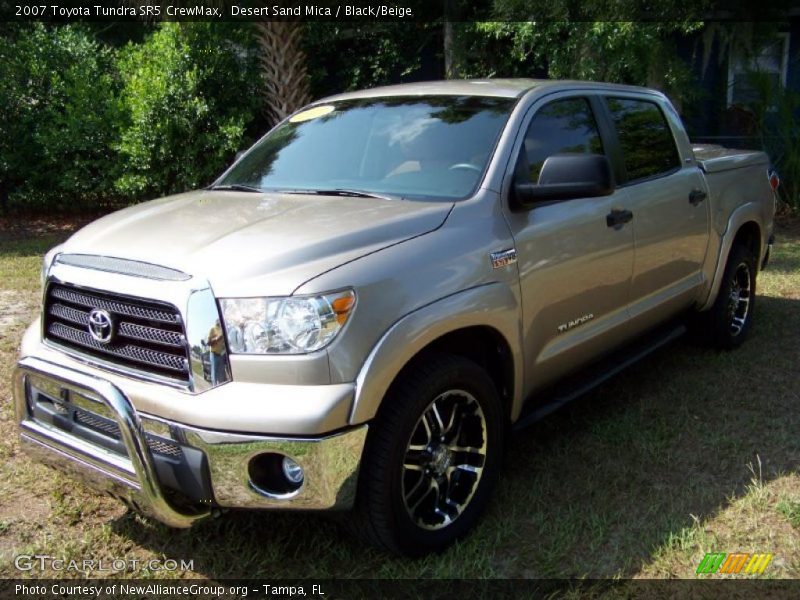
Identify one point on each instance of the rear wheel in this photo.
(432, 456)
(728, 322)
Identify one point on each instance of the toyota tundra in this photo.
(359, 311)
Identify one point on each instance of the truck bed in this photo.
(714, 158)
(735, 178)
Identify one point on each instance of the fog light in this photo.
(292, 471)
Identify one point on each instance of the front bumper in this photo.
(129, 468)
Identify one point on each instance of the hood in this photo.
(249, 244)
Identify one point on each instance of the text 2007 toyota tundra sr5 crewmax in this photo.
(359, 310)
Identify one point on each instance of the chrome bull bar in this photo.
(131, 478)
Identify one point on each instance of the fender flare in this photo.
(491, 305)
(751, 211)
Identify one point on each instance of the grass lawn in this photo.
(690, 451)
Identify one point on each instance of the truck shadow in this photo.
(593, 490)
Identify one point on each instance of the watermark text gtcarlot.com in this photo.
(43, 562)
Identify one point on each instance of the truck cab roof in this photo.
(500, 88)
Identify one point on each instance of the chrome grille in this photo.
(165, 448)
(111, 429)
(98, 423)
(151, 334)
(122, 265)
(148, 337)
(127, 309)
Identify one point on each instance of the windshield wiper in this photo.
(341, 192)
(237, 187)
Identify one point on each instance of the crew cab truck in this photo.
(359, 310)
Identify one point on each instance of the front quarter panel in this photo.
(423, 275)
(494, 305)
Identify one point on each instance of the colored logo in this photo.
(739, 562)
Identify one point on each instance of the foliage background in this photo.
(94, 116)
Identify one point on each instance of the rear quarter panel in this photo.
(739, 192)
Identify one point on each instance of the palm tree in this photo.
(283, 62)
(283, 67)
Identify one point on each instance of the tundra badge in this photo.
(575, 322)
(503, 258)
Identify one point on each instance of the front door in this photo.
(575, 268)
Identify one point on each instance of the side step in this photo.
(599, 372)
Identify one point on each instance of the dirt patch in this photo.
(20, 515)
(22, 506)
(16, 308)
(15, 229)
(788, 223)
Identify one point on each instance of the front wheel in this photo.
(432, 457)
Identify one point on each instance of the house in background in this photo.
(723, 113)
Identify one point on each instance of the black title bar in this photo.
(399, 11)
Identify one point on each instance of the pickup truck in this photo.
(362, 308)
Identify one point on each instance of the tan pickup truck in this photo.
(361, 309)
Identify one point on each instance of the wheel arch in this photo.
(485, 346)
(481, 324)
(749, 235)
(744, 227)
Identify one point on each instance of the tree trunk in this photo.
(283, 67)
(450, 68)
(3, 198)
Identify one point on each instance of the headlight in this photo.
(292, 325)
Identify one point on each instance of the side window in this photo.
(647, 144)
(563, 126)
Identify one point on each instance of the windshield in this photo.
(432, 147)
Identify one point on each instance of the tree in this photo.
(641, 53)
(283, 64)
(351, 56)
(59, 118)
(283, 67)
(189, 92)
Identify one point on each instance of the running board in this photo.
(591, 377)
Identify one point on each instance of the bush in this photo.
(60, 119)
(352, 56)
(189, 92)
(775, 116)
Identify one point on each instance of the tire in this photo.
(418, 491)
(726, 324)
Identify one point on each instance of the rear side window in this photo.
(647, 144)
(563, 126)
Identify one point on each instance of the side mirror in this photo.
(565, 177)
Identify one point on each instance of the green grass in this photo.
(690, 451)
(21, 262)
(791, 510)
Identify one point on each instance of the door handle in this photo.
(617, 218)
(696, 197)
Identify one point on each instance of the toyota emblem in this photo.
(101, 327)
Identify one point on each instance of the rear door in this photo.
(575, 269)
(667, 196)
